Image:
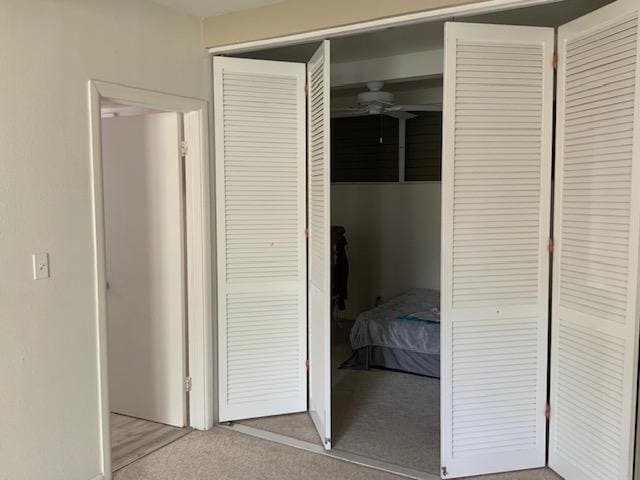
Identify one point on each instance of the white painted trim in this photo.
(488, 6)
(198, 253)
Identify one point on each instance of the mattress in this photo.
(401, 334)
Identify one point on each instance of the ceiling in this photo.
(209, 8)
(429, 36)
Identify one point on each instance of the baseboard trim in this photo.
(334, 453)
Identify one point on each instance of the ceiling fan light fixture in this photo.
(375, 97)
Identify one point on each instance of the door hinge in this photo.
(306, 89)
(306, 365)
(443, 469)
(306, 233)
(554, 61)
(184, 149)
(188, 384)
(550, 245)
(547, 411)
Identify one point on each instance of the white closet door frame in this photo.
(319, 225)
(494, 330)
(262, 340)
(594, 349)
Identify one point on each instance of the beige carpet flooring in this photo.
(222, 454)
(389, 416)
(133, 438)
(296, 425)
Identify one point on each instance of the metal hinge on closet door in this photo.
(188, 384)
(184, 149)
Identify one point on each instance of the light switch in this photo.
(40, 266)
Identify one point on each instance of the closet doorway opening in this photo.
(151, 201)
(511, 59)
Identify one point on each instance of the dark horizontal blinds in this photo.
(423, 147)
(356, 152)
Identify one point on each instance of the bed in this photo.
(402, 334)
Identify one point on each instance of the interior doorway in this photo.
(143, 179)
(152, 239)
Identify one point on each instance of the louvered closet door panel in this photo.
(260, 181)
(318, 214)
(495, 264)
(594, 328)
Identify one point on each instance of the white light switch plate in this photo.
(40, 266)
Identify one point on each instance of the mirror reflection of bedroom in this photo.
(385, 194)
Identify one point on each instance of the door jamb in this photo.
(199, 247)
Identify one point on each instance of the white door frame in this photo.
(198, 233)
(434, 14)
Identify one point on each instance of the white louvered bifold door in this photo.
(259, 109)
(498, 87)
(319, 217)
(595, 275)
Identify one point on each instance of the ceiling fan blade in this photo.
(399, 114)
(424, 107)
(348, 113)
(349, 109)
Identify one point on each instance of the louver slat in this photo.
(318, 215)
(594, 339)
(260, 188)
(496, 184)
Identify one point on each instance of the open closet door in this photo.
(594, 353)
(259, 109)
(498, 93)
(319, 218)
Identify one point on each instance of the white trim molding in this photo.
(199, 245)
(478, 8)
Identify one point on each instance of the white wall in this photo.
(49, 425)
(393, 232)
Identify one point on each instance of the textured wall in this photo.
(49, 49)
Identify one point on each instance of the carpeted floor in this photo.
(296, 425)
(389, 416)
(227, 455)
(224, 454)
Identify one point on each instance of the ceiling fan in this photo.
(375, 101)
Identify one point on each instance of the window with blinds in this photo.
(364, 149)
(423, 147)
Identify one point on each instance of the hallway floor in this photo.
(133, 438)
